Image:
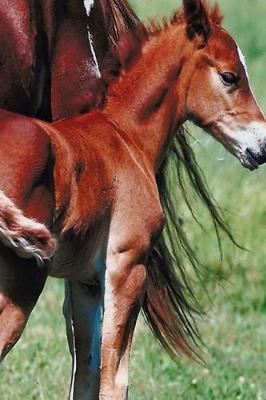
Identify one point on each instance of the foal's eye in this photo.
(229, 78)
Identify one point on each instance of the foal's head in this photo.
(218, 95)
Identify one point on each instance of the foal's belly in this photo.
(79, 260)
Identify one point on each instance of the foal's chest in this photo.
(80, 259)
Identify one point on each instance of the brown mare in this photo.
(48, 64)
(102, 195)
(52, 54)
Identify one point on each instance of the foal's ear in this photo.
(197, 19)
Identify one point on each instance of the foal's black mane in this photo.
(172, 318)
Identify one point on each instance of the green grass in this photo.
(235, 325)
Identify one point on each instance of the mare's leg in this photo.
(25, 166)
(124, 291)
(24, 154)
(82, 311)
(21, 283)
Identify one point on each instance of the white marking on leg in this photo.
(68, 314)
(74, 360)
(88, 6)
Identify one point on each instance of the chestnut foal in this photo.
(102, 199)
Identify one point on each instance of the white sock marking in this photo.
(74, 361)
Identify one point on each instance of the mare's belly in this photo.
(79, 260)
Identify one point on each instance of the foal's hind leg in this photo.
(124, 290)
(82, 311)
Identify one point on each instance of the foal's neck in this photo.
(144, 102)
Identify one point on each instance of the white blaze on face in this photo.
(244, 136)
(246, 141)
(88, 4)
(242, 60)
(252, 135)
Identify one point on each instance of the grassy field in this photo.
(235, 324)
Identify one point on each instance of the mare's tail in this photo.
(26, 237)
(170, 305)
(166, 309)
(122, 18)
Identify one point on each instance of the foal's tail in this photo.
(28, 238)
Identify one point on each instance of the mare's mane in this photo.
(177, 329)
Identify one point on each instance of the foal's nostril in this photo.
(262, 154)
(252, 159)
(263, 159)
(257, 157)
(264, 148)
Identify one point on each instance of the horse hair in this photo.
(170, 305)
(170, 309)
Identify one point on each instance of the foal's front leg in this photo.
(124, 290)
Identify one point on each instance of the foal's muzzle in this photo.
(252, 159)
(249, 144)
